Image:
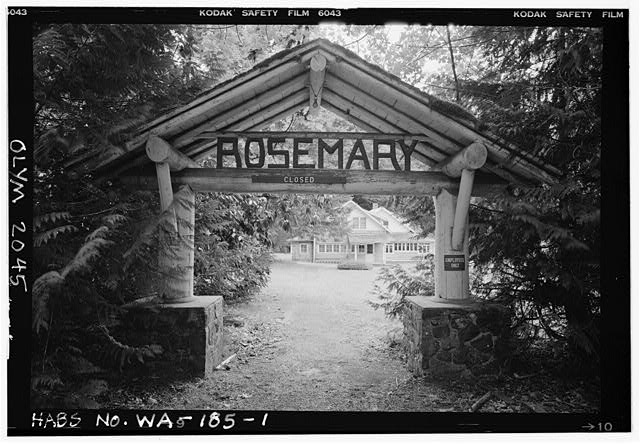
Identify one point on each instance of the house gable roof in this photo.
(354, 89)
(377, 210)
(351, 203)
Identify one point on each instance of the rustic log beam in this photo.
(432, 151)
(298, 180)
(432, 147)
(217, 98)
(317, 65)
(257, 102)
(161, 152)
(352, 96)
(409, 101)
(472, 157)
(313, 135)
(258, 120)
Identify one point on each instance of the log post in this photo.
(452, 224)
(166, 192)
(463, 165)
(462, 209)
(180, 260)
(160, 151)
(313, 250)
(451, 266)
(176, 256)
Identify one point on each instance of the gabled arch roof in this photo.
(361, 92)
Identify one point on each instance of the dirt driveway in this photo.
(310, 341)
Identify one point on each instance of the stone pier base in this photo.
(455, 338)
(190, 333)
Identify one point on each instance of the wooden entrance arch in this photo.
(402, 123)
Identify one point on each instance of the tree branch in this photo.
(453, 66)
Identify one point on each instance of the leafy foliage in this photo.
(395, 283)
(535, 249)
(93, 85)
(232, 244)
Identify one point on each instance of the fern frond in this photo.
(114, 219)
(85, 255)
(42, 238)
(40, 296)
(163, 222)
(42, 219)
(97, 233)
(47, 381)
(115, 353)
(129, 124)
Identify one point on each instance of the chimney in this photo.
(374, 206)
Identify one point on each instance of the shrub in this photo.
(395, 283)
(232, 256)
(354, 266)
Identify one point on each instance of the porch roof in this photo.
(407, 237)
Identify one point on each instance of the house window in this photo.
(369, 248)
(321, 248)
(428, 248)
(353, 248)
(388, 248)
(359, 223)
(361, 248)
(303, 248)
(396, 246)
(336, 248)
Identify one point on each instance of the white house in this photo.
(377, 237)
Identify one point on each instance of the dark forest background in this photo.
(534, 249)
